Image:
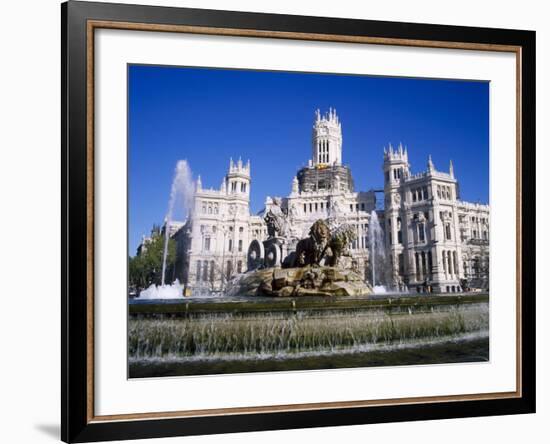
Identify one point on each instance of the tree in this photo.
(146, 268)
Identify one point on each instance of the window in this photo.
(229, 270)
(199, 270)
(421, 234)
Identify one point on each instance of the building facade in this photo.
(212, 245)
(433, 240)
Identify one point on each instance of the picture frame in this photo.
(80, 21)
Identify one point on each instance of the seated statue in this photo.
(276, 220)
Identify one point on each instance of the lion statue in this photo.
(339, 242)
(311, 250)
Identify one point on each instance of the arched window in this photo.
(421, 233)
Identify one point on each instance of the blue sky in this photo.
(208, 115)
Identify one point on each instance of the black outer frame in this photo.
(74, 424)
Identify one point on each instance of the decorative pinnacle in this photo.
(430, 163)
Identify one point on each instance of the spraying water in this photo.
(377, 253)
(174, 291)
(182, 192)
(183, 185)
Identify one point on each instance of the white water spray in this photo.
(181, 193)
(377, 252)
(182, 185)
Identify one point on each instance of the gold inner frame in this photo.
(92, 25)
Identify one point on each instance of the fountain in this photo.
(319, 266)
(377, 254)
(182, 191)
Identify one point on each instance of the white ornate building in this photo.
(433, 240)
(212, 247)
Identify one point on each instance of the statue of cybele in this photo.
(276, 219)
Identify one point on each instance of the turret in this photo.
(396, 165)
(238, 178)
(327, 139)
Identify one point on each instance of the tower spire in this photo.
(430, 164)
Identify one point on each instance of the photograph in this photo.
(289, 221)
